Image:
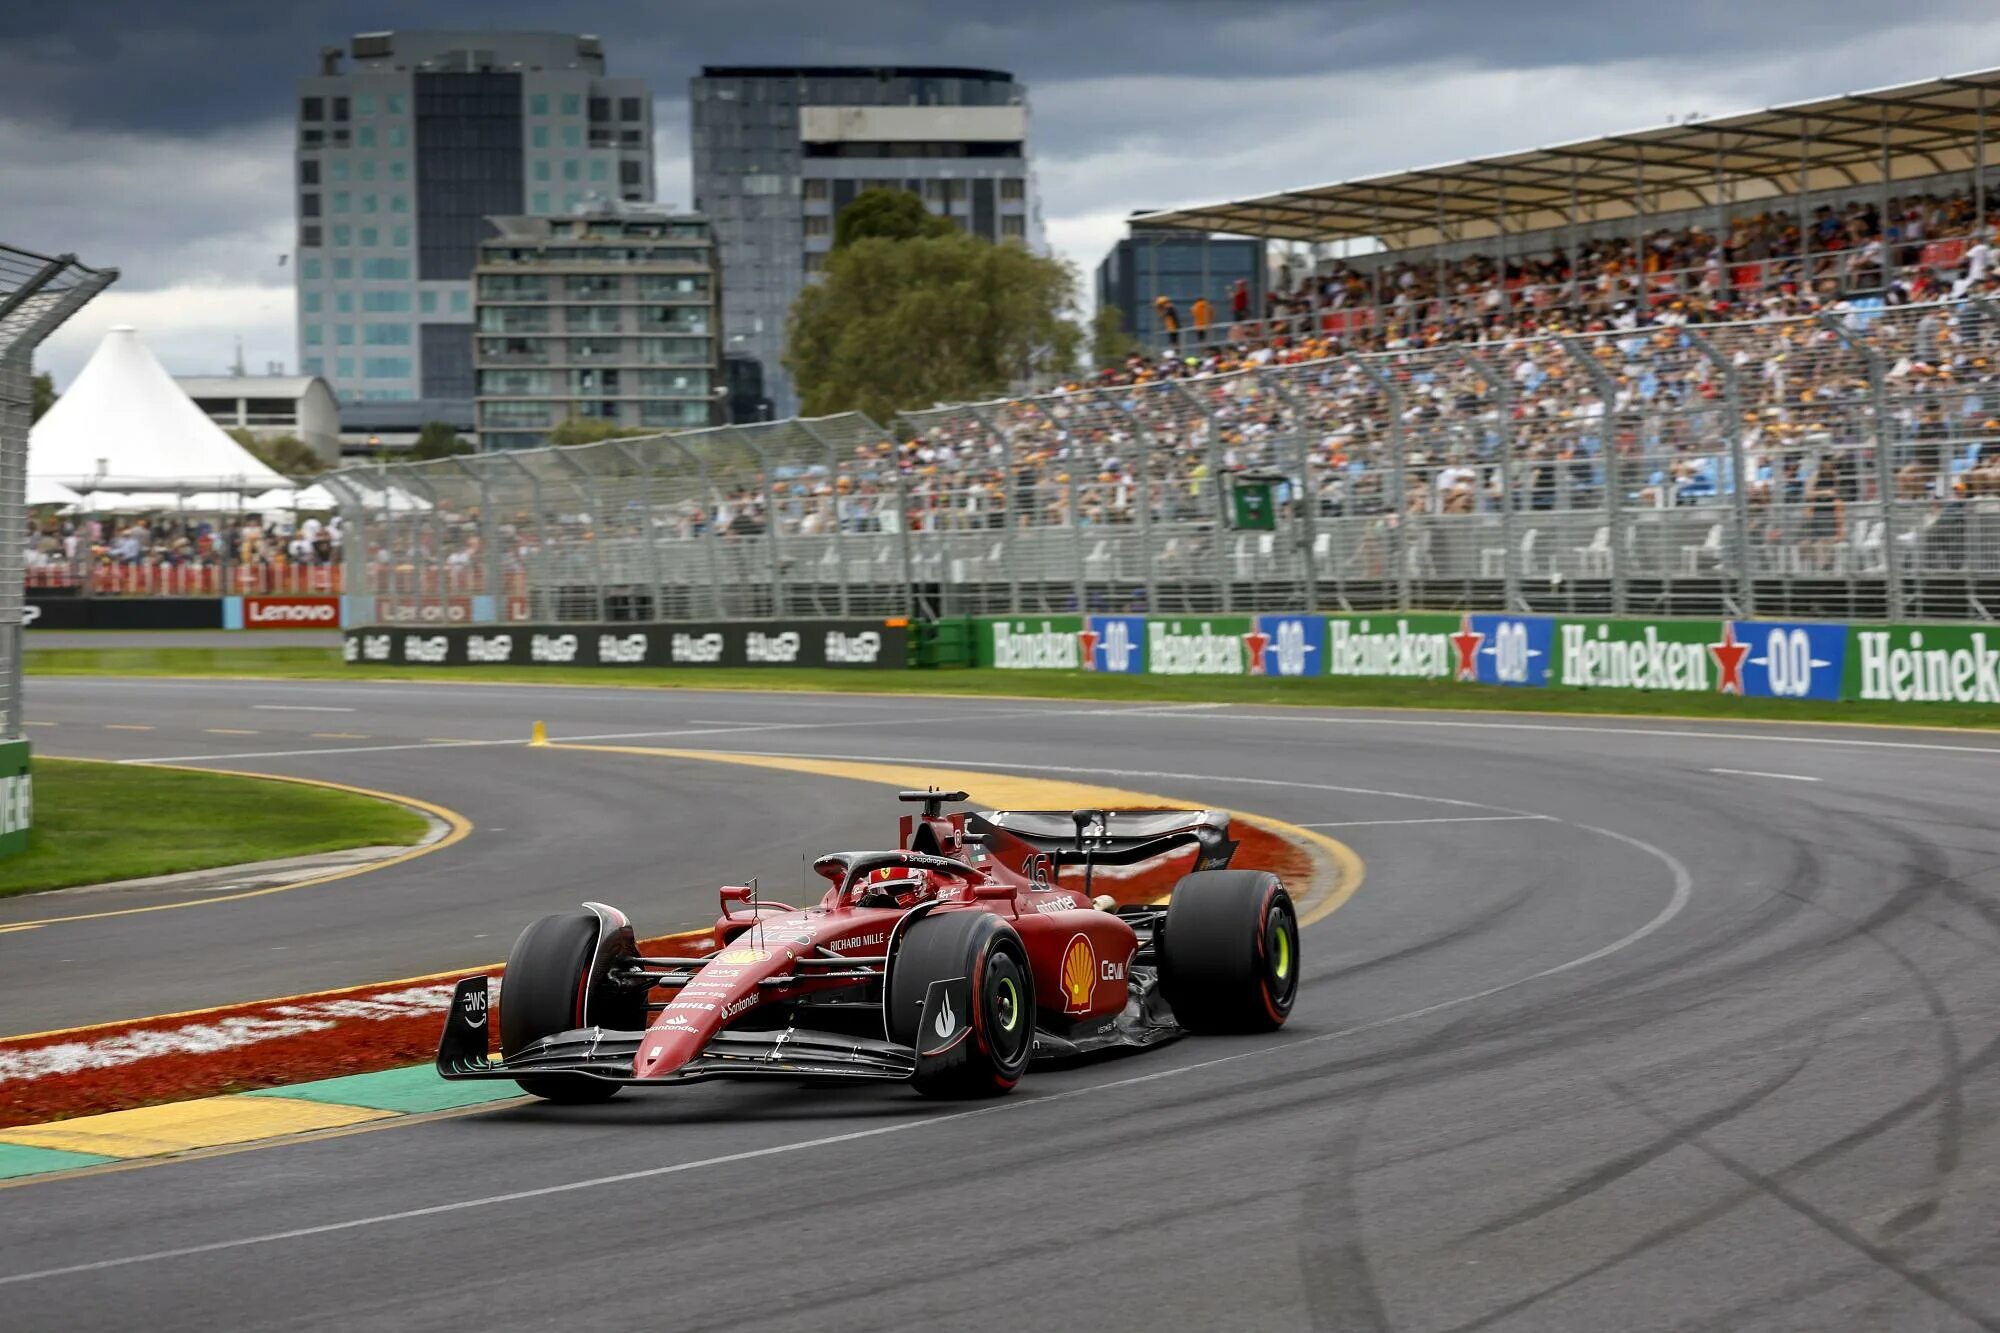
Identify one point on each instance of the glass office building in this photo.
(609, 315)
(1181, 266)
(779, 151)
(407, 141)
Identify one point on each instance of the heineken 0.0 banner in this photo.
(1946, 664)
(1757, 659)
(17, 797)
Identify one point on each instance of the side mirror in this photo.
(993, 892)
(734, 893)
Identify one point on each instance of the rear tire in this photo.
(1229, 953)
(547, 990)
(981, 946)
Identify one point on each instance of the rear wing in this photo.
(1108, 837)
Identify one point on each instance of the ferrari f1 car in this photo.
(951, 962)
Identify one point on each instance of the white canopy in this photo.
(318, 498)
(125, 430)
(42, 491)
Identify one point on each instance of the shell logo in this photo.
(742, 956)
(1079, 974)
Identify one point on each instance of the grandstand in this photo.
(1768, 212)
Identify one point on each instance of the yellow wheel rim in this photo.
(1283, 965)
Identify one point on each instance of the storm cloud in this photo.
(156, 136)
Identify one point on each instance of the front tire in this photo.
(548, 989)
(985, 949)
(1229, 953)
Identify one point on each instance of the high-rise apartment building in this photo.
(778, 152)
(609, 315)
(406, 141)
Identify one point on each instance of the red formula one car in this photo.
(951, 962)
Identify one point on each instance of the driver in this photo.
(906, 886)
(900, 886)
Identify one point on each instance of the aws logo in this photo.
(1078, 974)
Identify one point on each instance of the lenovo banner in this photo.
(291, 613)
(813, 643)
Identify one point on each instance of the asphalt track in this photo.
(1634, 1025)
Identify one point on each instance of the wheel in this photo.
(982, 947)
(1229, 952)
(546, 990)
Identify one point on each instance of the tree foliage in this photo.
(891, 215)
(906, 324)
(436, 440)
(45, 395)
(592, 430)
(1109, 343)
(281, 453)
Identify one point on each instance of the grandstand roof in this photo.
(1923, 129)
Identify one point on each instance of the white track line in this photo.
(1303, 715)
(982, 762)
(1753, 773)
(1442, 819)
(568, 740)
(1682, 892)
(301, 708)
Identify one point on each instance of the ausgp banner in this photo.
(811, 643)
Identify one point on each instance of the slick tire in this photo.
(1229, 953)
(985, 949)
(545, 992)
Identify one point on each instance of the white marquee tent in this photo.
(124, 436)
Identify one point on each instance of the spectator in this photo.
(1170, 320)
(1202, 312)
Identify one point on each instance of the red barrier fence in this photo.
(193, 580)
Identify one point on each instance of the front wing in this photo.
(606, 1054)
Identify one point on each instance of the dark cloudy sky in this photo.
(154, 135)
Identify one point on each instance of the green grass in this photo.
(95, 823)
(326, 664)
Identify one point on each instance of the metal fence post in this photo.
(1399, 532)
(489, 533)
(1010, 509)
(1607, 446)
(540, 515)
(1220, 499)
(578, 475)
(353, 545)
(645, 466)
(774, 544)
(422, 490)
(833, 497)
(1308, 499)
(1142, 440)
(1496, 389)
(903, 540)
(1732, 395)
(1082, 593)
(709, 536)
(1885, 471)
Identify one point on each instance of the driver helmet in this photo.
(906, 884)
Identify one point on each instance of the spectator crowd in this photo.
(1400, 395)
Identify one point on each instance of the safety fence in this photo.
(1748, 658)
(37, 293)
(1840, 466)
